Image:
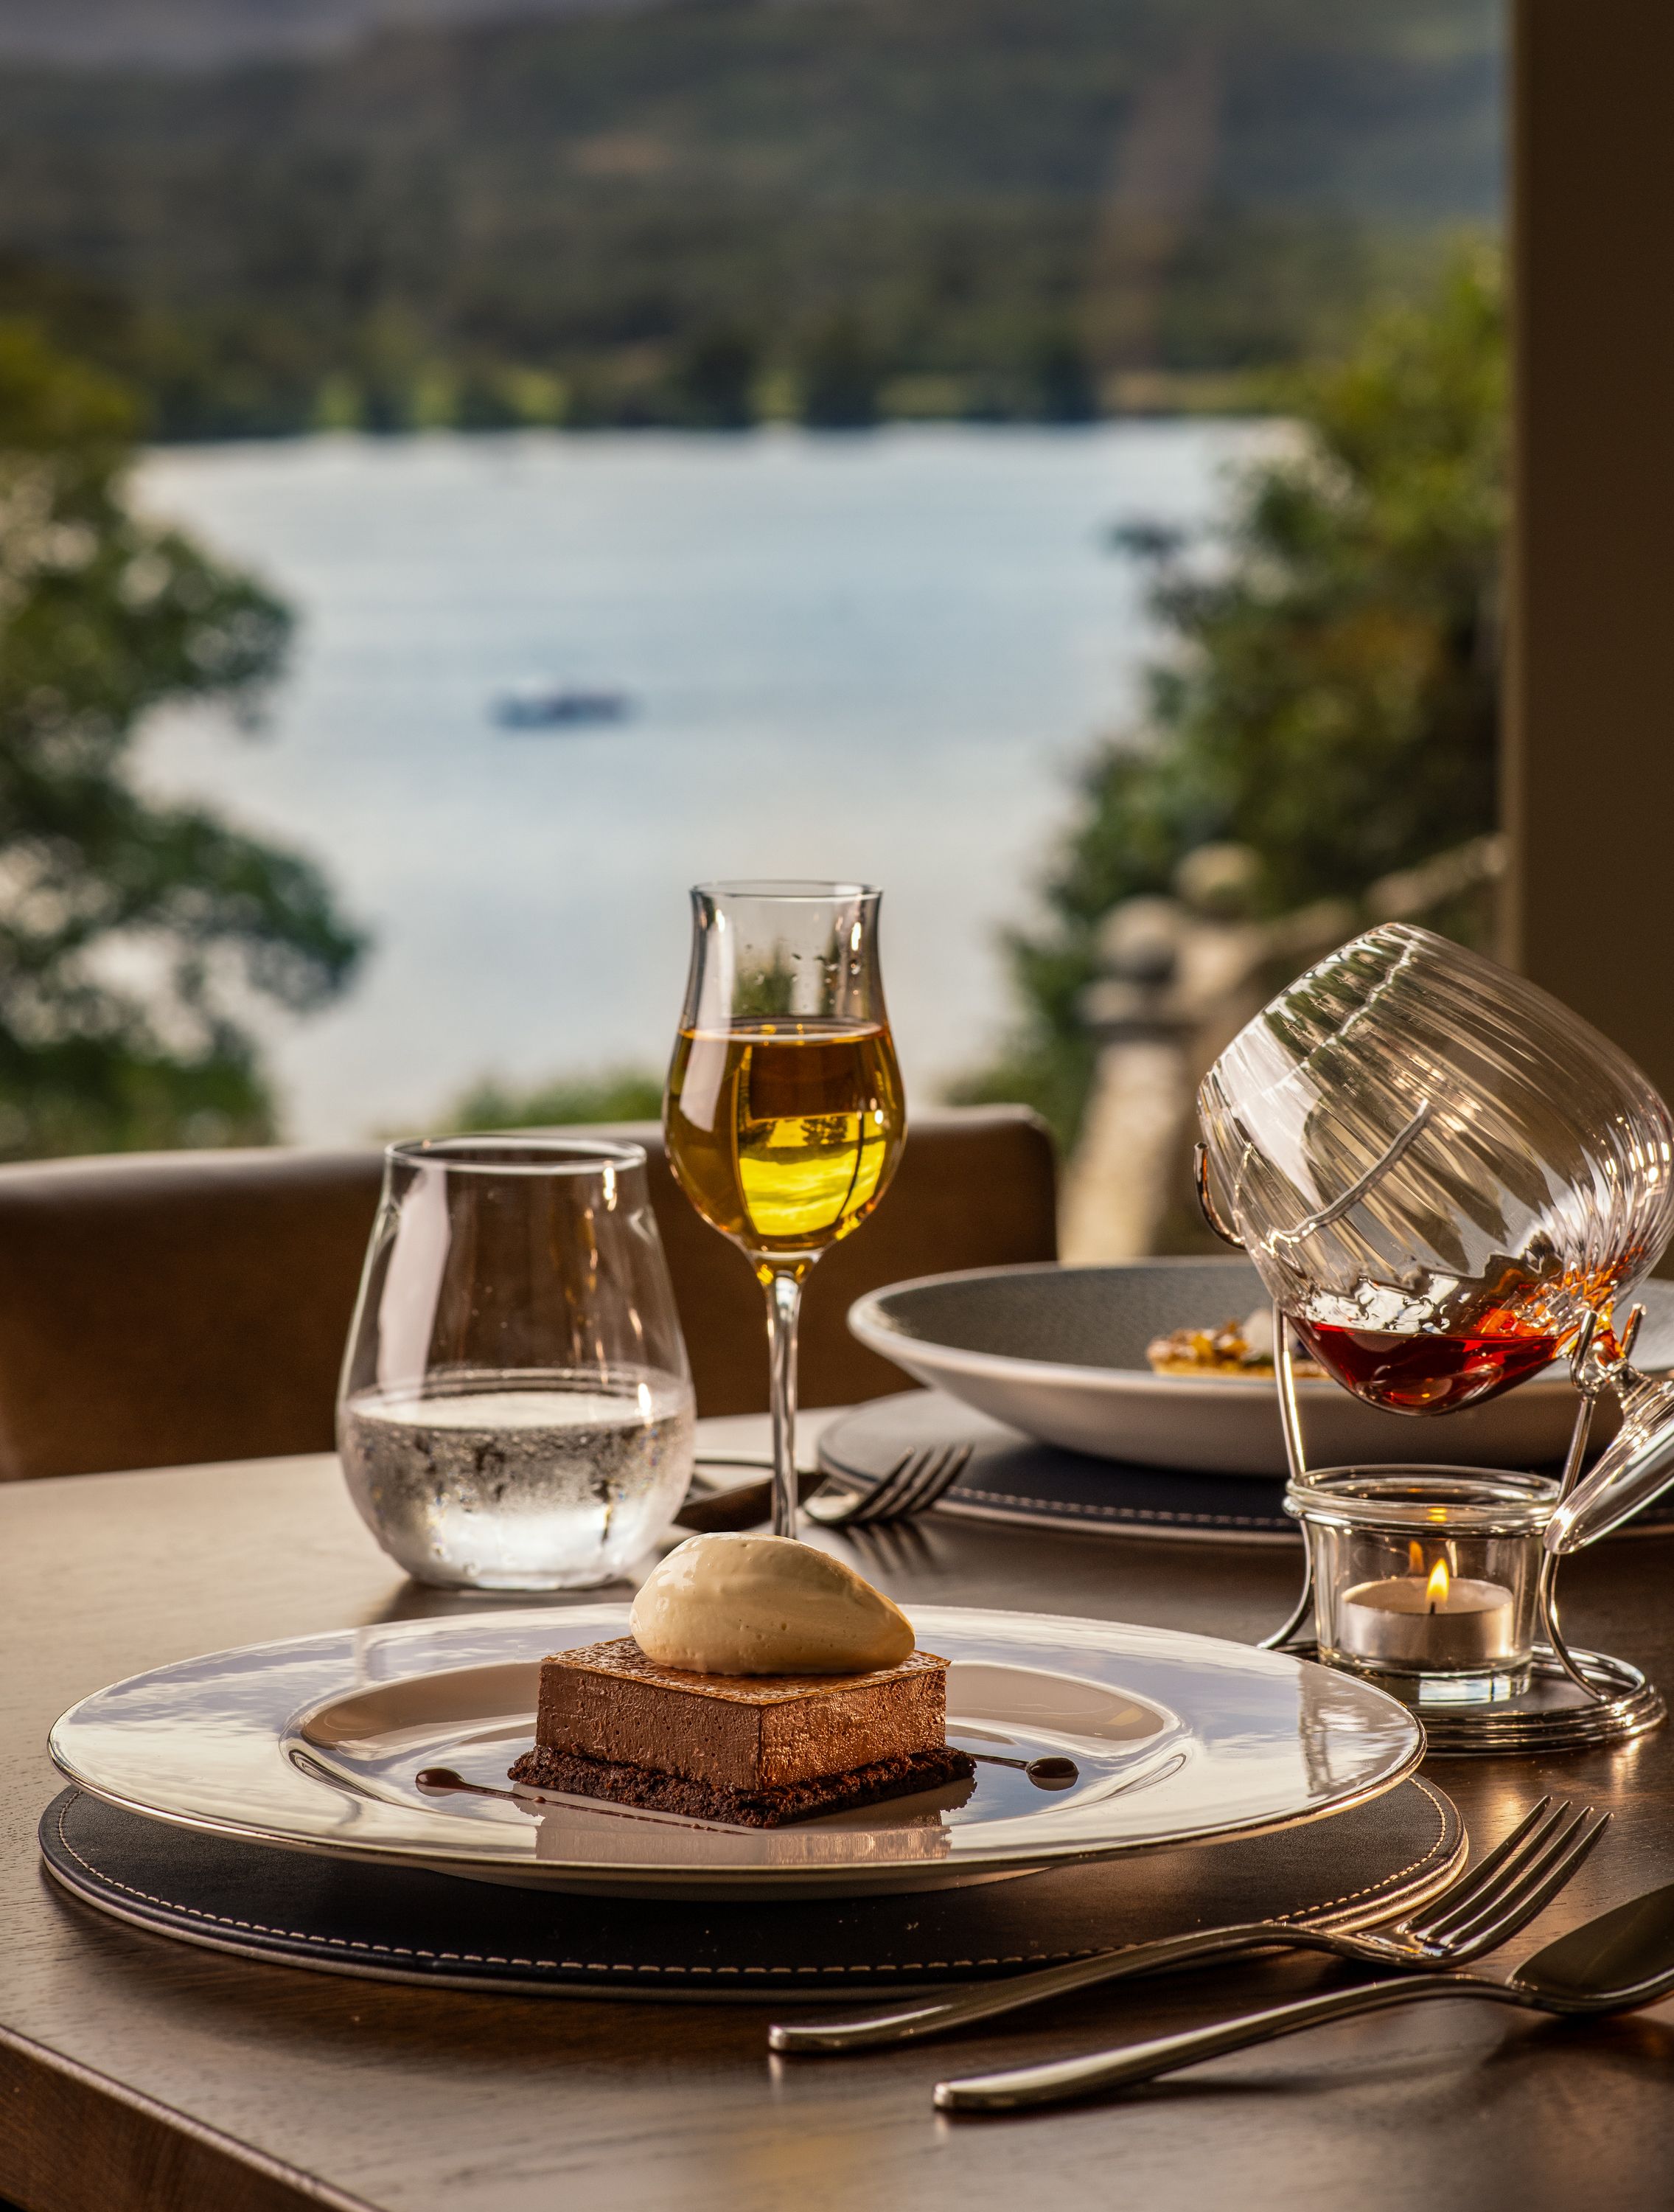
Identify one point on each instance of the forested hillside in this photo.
(692, 211)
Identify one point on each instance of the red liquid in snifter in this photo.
(1424, 1374)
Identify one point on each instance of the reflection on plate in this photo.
(1059, 1353)
(316, 1743)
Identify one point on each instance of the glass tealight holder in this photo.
(1426, 1579)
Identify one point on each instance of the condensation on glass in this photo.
(516, 1410)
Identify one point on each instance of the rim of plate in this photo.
(453, 1850)
(867, 1321)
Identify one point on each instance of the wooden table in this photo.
(135, 2072)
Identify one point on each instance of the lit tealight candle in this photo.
(1418, 1623)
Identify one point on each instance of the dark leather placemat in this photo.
(304, 1909)
(1012, 1478)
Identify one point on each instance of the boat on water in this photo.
(537, 704)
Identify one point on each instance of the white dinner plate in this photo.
(1059, 1353)
(315, 1743)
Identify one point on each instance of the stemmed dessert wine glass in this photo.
(784, 1114)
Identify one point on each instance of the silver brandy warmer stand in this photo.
(1574, 1698)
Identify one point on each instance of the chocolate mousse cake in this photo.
(765, 1682)
(755, 1751)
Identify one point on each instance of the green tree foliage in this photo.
(1066, 388)
(129, 931)
(841, 372)
(714, 380)
(1331, 694)
(619, 1094)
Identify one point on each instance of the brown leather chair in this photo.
(165, 1307)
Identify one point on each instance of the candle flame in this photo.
(1436, 1590)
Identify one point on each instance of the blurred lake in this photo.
(878, 657)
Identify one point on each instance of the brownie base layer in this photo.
(573, 1776)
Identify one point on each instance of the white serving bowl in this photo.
(1059, 1353)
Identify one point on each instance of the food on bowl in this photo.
(1236, 1347)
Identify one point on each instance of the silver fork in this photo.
(913, 1484)
(1480, 1908)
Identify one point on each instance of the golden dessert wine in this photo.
(783, 1133)
(783, 1113)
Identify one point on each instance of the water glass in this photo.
(516, 1410)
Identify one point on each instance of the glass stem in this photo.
(784, 1305)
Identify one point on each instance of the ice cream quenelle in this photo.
(765, 1605)
(764, 1682)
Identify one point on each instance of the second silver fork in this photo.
(1483, 1908)
(912, 1485)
